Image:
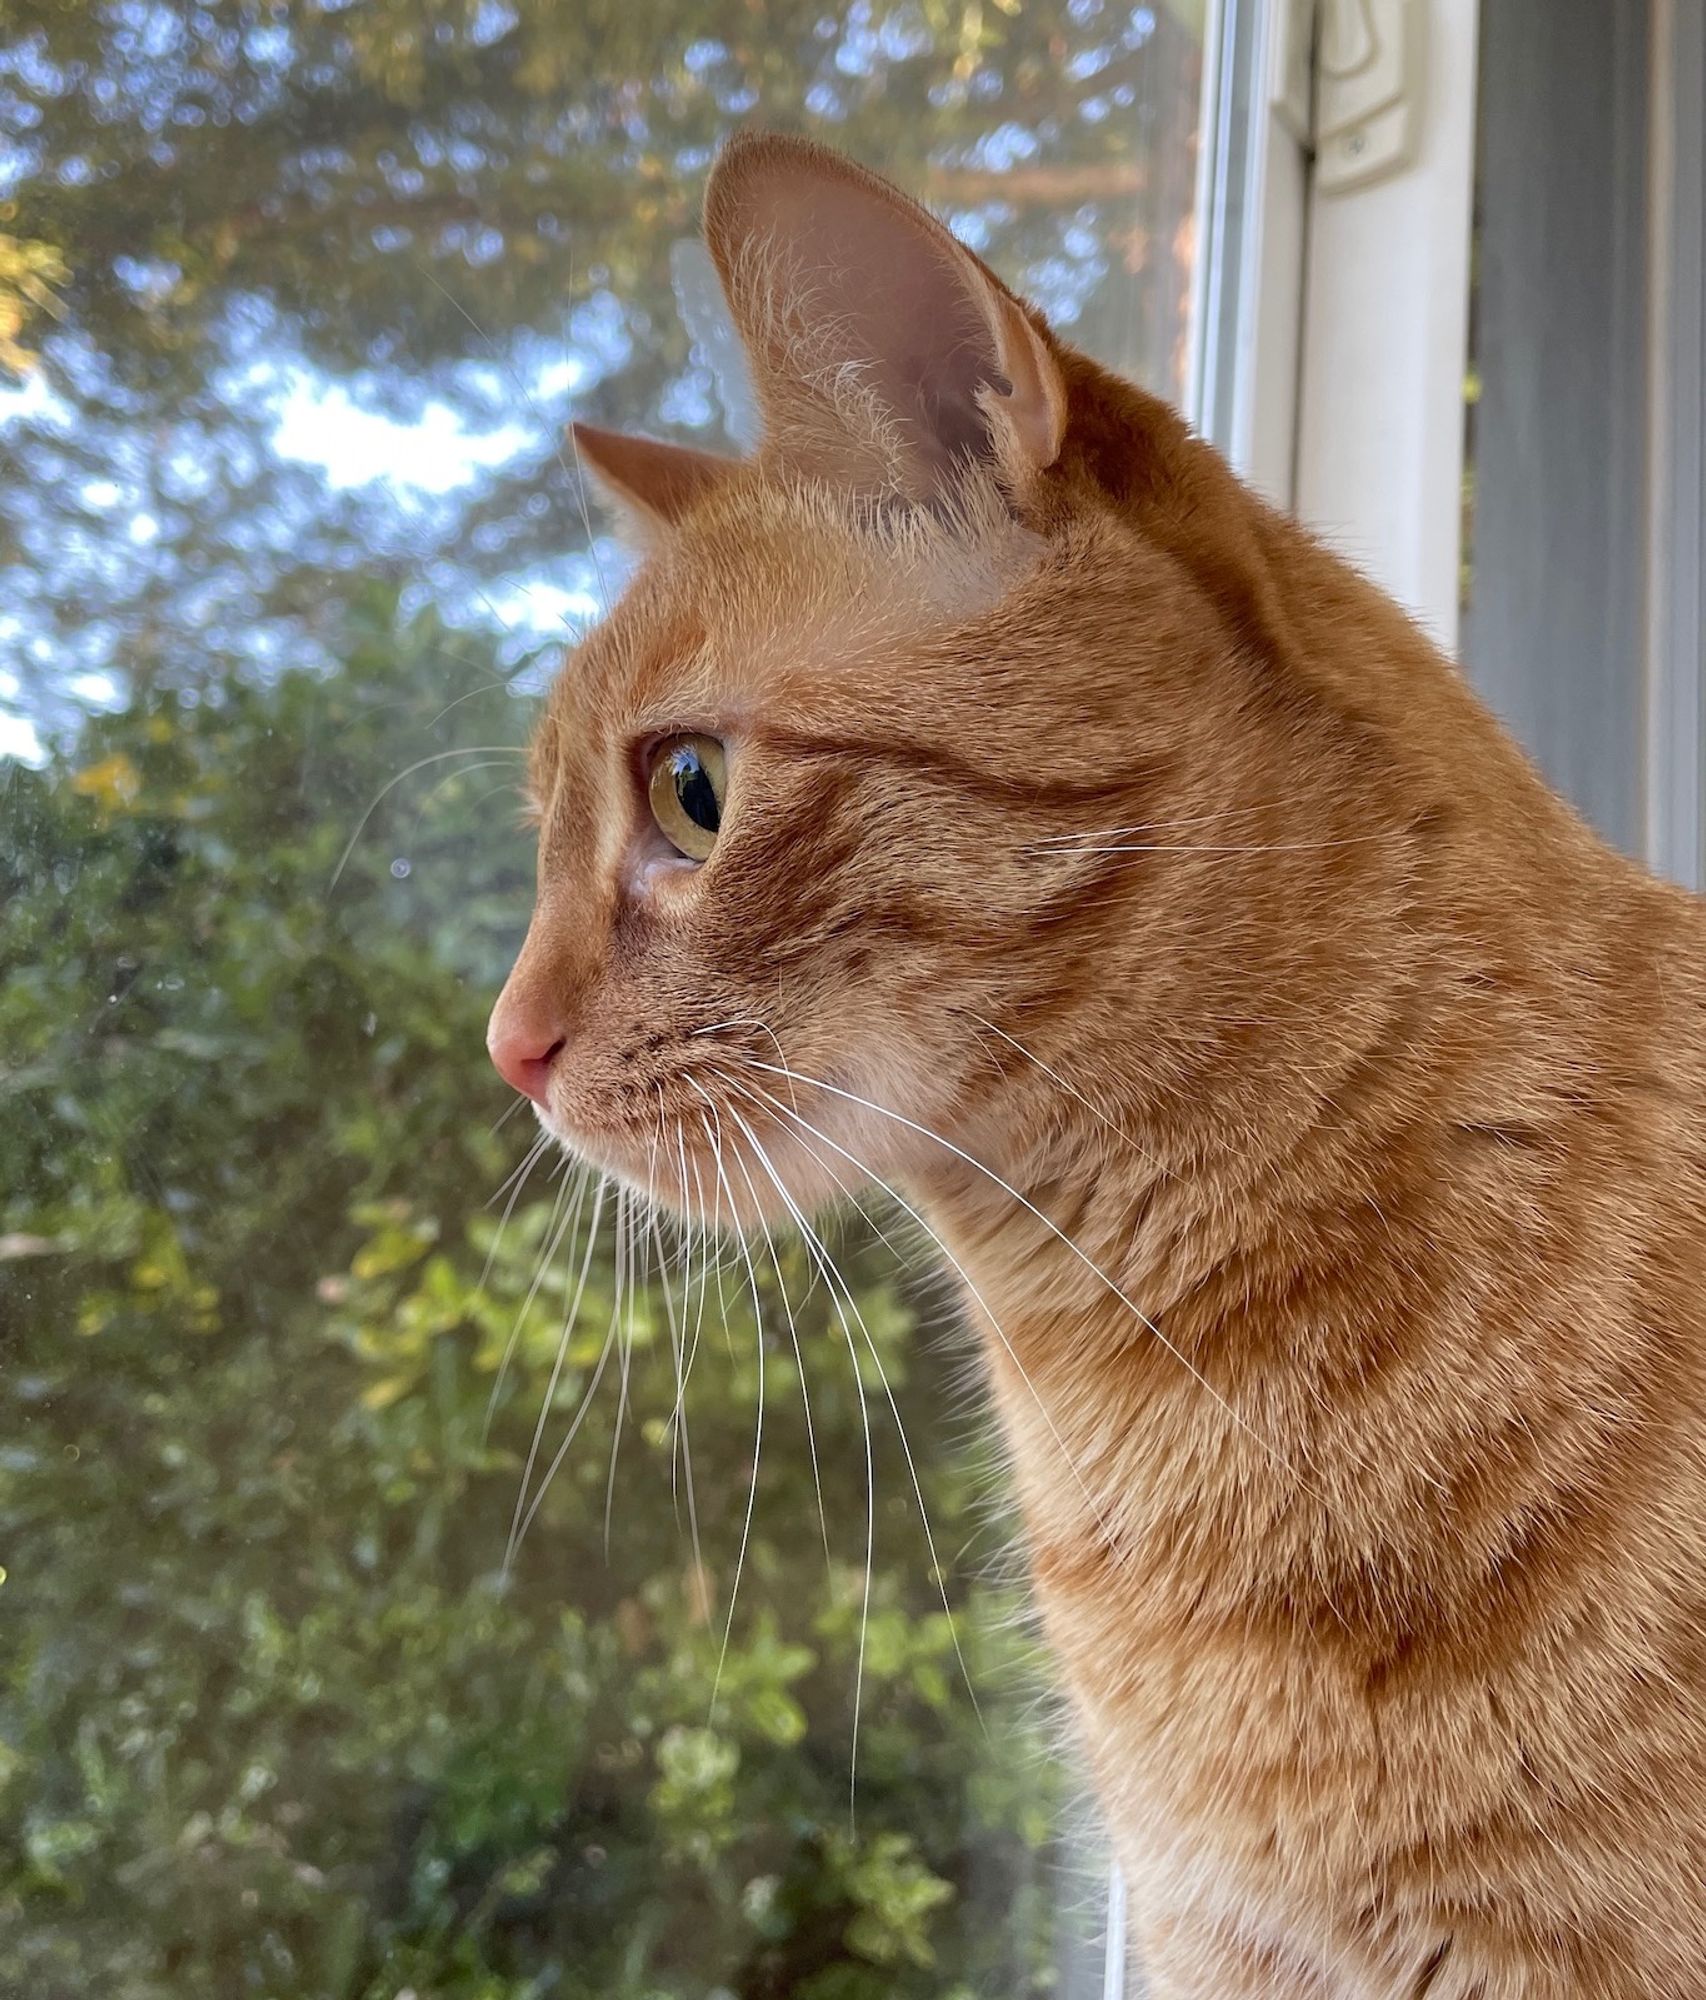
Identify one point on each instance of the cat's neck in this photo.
(1190, 1387)
(1237, 1240)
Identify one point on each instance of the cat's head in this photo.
(812, 797)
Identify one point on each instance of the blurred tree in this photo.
(296, 299)
(470, 203)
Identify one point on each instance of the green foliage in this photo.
(276, 1718)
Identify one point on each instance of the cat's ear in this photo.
(655, 482)
(885, 354)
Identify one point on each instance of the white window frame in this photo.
(1252, 194)
(1380, 433)
(1379, 467)
(1341, 395)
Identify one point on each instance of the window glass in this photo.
(371, 1622)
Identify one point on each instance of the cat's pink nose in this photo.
(523, 1044)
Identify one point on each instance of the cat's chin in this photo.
(725, 1188)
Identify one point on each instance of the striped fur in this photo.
(1312, 1107)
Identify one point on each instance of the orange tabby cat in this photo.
(1312, 1108)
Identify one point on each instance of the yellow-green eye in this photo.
(687, 784)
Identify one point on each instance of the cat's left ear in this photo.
(655, 482)
(885, 354)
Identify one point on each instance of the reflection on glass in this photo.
(294, 305)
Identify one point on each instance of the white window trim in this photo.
(1379, 467)
(1252, 195)
(1340, 395)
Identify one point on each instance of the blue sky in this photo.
(322, 423)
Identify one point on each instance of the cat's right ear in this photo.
(654, 483)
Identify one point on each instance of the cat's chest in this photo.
(1252, 1779)
(1228, 1745)
(1208, 1833)
(1237, 1728)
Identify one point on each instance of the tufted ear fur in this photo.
(885, 354)
(657, 483)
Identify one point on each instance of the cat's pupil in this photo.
(693, 788)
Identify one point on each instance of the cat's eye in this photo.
(687, 785)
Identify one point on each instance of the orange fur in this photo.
(1364, 1475)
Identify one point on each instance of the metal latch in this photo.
(1348, 83)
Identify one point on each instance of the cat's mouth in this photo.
(728, 1126)
(739, 1165)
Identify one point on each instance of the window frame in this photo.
(1253, 192)
(1380, 446)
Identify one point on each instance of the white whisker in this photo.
(1163, 825)
(870, 1541)
(503, 1118)
(515, 1178)
(624, 1342)
(834, 1280)
(788, 1315)
(707, 1225)
(681, 1449)
(1227, 847)
(423, 806)
(554, 1236)
(1055, 1076)
(965, 1277)
(420, 764)
(677, 1330)
(1089, 1263)
(758, 1433)
(518, 1524)
(562, 1450)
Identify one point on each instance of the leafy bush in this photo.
(275, 1716)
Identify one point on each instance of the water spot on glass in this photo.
(172, 983)
(73, 1451)
(370, 1024)
(400, 868)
